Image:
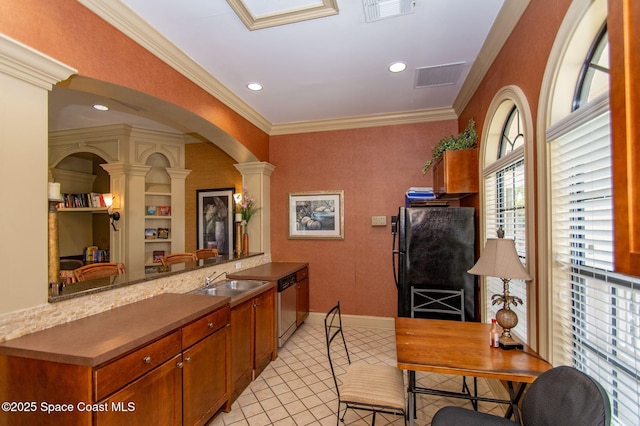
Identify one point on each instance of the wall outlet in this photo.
(238, 265)
(378, 221)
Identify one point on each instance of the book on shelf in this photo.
(157, 255)
(150, 233)
(92, 200)
(163, 233)
(151, 210)
(164, 210)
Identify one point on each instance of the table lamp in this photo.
(499, 259)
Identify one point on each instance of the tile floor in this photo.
(297, 388)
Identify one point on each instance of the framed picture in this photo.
(150, 233)
(151, 210)
(164, 210)
(318, 214)
(215, 216)
(163, 233)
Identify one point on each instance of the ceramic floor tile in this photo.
(298, 389)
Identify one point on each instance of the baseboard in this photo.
(387, 323)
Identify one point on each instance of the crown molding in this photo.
(129, 23)
(358, 122)
(327, 8)
(125, 20)
(501, 29)
(27, 64)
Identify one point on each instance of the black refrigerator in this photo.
(433, 247)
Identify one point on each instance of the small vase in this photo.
(245, 244)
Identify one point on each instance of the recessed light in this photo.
(100, 107)
(254, 86)
(397, 67)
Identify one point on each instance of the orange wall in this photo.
(374, 167)
(70, 33)
(522, 60)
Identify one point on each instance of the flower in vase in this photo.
(247, 206)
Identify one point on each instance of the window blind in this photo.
(504, 186)
(596, 312)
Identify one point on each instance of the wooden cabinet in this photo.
(154, 398)
(302, 296)
(624, 45)
(162, 361)
(265, 330)
(253, 339)
(455, 174)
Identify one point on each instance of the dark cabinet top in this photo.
(269, 271)
(99, 338)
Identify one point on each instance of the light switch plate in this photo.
(378, 221)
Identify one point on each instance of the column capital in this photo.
(255, 168)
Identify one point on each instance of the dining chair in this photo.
(442, 304)
(98, 270)
(172, 259)
(361, 386)
(560, 396)
(206, 253)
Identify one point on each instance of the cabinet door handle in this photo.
(146, 359)
(210, 325)
(179, 364)
(187, 359)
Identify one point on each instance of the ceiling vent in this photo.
(438, 75)
(374, 10)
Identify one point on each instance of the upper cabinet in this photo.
(455, 174)
(624, 46)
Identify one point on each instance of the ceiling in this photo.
(319, 73)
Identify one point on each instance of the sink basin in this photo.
(231, 288)
(242, 285)
(220, 291)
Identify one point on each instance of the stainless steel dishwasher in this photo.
(286, 308)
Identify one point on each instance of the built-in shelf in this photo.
(83, 209)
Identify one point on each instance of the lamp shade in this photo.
(108, 199)
(499, 259)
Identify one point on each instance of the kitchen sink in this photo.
(231, 288)
(242, 285)
(220, 291)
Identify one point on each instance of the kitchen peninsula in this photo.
(143, 363)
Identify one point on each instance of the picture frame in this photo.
(215, 219)
(164, 210)
(150, 233)
(316, 215)
(151, 210)
(163, 233)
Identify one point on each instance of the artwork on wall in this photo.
(215, 216)
(316, 214)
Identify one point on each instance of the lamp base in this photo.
(507, 343)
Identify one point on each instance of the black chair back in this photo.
(565, 395)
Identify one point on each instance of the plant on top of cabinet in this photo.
(465, 140)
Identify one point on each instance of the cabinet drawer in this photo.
(206, 325)
(302, 274)
(115, 375)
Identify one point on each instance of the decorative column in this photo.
(256, 177)
(54, 248)
(178, 177)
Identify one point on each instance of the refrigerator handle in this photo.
(394, 252)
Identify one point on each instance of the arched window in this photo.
(504, 199)
(594, 311)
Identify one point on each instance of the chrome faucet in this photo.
(209, 280)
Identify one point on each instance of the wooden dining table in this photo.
(462, 348)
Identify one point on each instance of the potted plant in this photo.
(465, 140)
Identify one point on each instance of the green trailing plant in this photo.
(465, 140)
